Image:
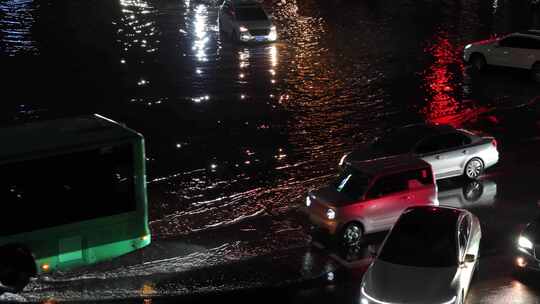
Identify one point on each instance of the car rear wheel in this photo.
(478, 62)
(352, 234)
(474, 168)
(535, 72)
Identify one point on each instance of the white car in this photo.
(246, 21)
(450, 152)
(429, 256)
(517, 50)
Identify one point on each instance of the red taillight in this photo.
(494, 142)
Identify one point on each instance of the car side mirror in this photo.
(469, 258)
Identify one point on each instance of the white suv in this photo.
(517, 50)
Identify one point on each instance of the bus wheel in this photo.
(17, 266)
(15, 280)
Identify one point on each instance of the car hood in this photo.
(331, 197)
(258, 24)
(486, 42)
(393, 283)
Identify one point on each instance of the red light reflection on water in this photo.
(442, 104)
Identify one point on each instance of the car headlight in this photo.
(342, 160)
(468, 46)
(524, 242)
(243, 28)
(273, 33)
(308, 201)
(330, 214)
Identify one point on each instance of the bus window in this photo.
(68, 188)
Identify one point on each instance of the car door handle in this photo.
(464, 151)
(407, 197)
(438, 157)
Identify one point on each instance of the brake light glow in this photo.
(494, 142)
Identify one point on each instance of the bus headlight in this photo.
(308, 201)
(330, 214)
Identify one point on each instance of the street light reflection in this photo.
(273, 56)
(201, 32)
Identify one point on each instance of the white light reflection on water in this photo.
(137, 30)
(17, 19)
(273, 56)
(201, 33)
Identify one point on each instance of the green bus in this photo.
(72, 193)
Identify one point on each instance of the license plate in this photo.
(260, 38)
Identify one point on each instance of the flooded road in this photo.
(237, 134)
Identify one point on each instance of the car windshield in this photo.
(423, 237)
(352, 183)
(250, 14)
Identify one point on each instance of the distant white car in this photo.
(246, 21)
(429, 256)
(517, 50)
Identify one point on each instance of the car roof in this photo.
(411, 134)
(424, 129)
(53, 136)
(388, 165)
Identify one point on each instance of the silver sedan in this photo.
(451, 152)
(429, 256)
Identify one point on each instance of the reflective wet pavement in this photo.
(236, 134)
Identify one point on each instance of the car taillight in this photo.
(494, 142)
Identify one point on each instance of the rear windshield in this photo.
(424, 237)
(250, 14)
(352, 183)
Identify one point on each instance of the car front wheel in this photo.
(478, 61)
(352, 234)
(474, 168)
